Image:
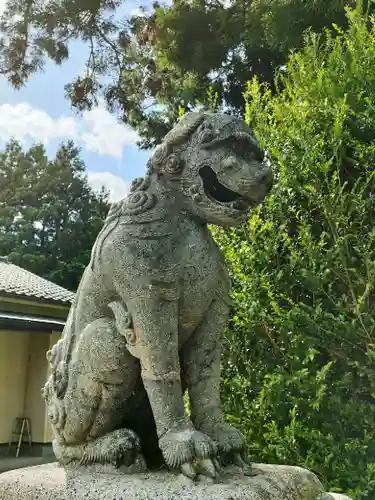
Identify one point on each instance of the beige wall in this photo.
(14, 352)
(23, 372)
(36, 377)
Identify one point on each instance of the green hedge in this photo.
(299, 359)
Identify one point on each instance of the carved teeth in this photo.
(240, 205)
(194, 189)
(194, 193)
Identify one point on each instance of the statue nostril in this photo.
(266, 178)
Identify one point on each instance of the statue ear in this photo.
(165, 163)
(158, 159)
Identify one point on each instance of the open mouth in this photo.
(220, 193)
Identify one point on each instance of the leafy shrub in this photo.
(299, 360)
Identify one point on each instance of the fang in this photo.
(239, 205)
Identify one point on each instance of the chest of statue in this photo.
(177, 255)
(203, 275)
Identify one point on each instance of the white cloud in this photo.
(97, 130)
(136, 12)
(16, 17)
(21, 121)
(116, 186)
(106, 136)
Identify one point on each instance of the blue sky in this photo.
(39, 112)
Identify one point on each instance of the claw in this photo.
(204, 449)
(187, 470)
(238, 460)
(207, 468)
(245, 458)
(216, 464)
(249, 471)
(242, 461)
(205, 479)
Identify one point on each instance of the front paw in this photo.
(190, 451)
(230, 444)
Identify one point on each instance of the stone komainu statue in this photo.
(149, 312)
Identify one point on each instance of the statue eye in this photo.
(207, 133)
(173, 164)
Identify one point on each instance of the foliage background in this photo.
(147, 65)
(49, 214)
(298, 367)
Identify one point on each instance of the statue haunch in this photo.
(151, 307)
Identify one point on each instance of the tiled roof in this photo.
(17, 281)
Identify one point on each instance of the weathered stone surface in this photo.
(335, 496)
(51, 482)
(146, 325)
(151, 308)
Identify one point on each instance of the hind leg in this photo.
(119, 448)
(103, 379)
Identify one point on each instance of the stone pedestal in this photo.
(51, 482)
